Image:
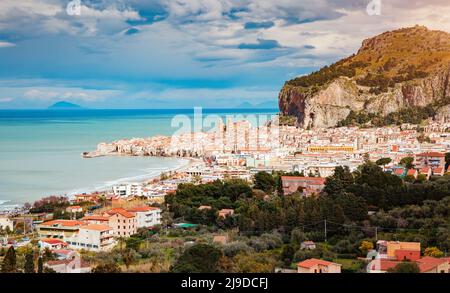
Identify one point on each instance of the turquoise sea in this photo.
(40, 150)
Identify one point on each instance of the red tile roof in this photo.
(120, 211)
(142, 209)
(411, 172)
(431, 154)
(64, 223)
(95, 218)
(53, 241)
(428, 263)
(384, 264)
(399, 171)
(313, 262)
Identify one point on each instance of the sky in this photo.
(183, 53)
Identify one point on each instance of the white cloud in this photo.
(6, 100)
(6, 44)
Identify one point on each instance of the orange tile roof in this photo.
(411, 172)
(96, 227)
(64, 223)
(385, 264)
(95, 218)
(53, 241)
(431, 154)
(313, 262)
(142, 209)
(120, 211)
(427, 263)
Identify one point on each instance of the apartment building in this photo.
(146, 216)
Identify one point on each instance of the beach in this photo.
(40, 153)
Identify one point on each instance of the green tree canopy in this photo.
(199, 258)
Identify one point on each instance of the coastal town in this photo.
(63, 239)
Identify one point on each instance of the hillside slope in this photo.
(398, 76)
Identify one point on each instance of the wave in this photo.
(149, 174)
(3, 201)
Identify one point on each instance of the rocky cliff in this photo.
(403, 69)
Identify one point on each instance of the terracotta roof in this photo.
(142, 209)
(431, 154)
(53, 241)
(385, 264)
(425, 170)
(313, 262)
(399, 171)
(64, 223)
(120, 211)
(95, 218)
(96, 227)
(411, 172)
(427, 263)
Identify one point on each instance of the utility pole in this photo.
(325, 222)
(376, 233)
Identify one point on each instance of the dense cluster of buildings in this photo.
(97, 232)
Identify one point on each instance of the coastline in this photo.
(8, 206)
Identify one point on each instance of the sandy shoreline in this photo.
(8, 205)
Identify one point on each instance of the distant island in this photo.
(62, 105)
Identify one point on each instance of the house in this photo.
(72, 263)
(222, 239)
(127, 190)
(74, 209)
(87, 198)
(96, 219)
(93, 237)
(430, 159)
(122, 221)
(223, 213)
(406, 250)
(204, 208)
(306, 185)
(61, 229)
(6, 223)
(413, 173)
(400, 172)
(146, 216)
(52, 243)
(308, 245)
(314, 265)
(425, 171)
(439, 171)
(426, 264)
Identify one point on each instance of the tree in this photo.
(107, 268)
(365, 246)
(447, 160)
(199, 258)
(287, 254)
(433, 251)
(10, 261)
(405, 267)
(264, 181)
(407, 162)
(383, 161)
(29, 263)
(341, 179)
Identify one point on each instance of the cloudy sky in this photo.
(183, 53)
